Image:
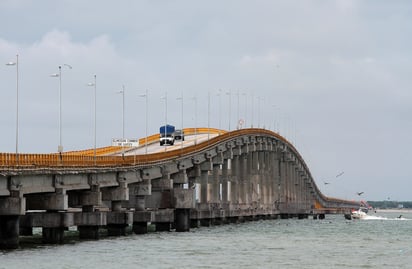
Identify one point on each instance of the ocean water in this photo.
(383, 241)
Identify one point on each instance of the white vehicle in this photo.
(179, 135)
(167, 135)
(164, 140)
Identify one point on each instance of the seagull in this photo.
(341, 173)
(359, 193)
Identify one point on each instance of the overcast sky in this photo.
(334, 77)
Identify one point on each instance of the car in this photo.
(179, 135)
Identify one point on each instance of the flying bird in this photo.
(326, 183)
(359, 193)
(338, 175)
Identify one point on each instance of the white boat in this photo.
(358, 214)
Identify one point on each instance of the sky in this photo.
(333, 77)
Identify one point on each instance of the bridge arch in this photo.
(243, 174)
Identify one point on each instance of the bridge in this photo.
(210, 178)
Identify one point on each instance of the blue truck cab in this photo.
(167, 135)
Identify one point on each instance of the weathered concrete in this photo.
(9, 231)
(246, 177)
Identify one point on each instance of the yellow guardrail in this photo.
(187, 131)
(86, 157)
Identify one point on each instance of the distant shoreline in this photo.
(394, 210)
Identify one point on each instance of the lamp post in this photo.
(123, 107)
(238, 109)
(274, 118)
(59, 75)
(253, 108)
(165, 98)
(195, 99)
(220, 109)
(244, 119)
(94, 84)
(123, 141)
(259, 111)
(181, 99)
(208, 116)
(146, 97)
(16, 63)
(230, 103)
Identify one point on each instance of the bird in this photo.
(359, 193)
(326, 183)
(341, 173)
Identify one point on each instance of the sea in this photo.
(383, 240)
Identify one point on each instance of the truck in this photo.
(179, 135)
(167, 134)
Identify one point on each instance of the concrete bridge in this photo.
(231, 176)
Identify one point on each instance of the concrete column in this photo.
(234, 180)
(224, 180)
(53, 235)
(117, 221)
(139, 227)
(242, 179)
(88, 200)
(182, 217)
(204, 184)
(215, 186)
(137, 200)
(263, 179)
(272, 179)
(88, 232)
(9, 231)
(283, 183)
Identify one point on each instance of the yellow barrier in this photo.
(85, 158)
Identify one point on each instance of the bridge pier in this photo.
(182, 217)
(53, 235)
(88, 232)
(11, 208)
(117, 219)
(183, 201)
(9, 231)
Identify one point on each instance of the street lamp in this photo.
(195, 99)
(238, 117)
(244, 119)
(16, 63)
(93, 84)
(258, 111)
(122, 92)
(208, 116)
(230, 102)
(123, 140)
(59, 75)
(274, 118)
(146, 97)
(181, 99)
(165, 98)
(220, 109)
(253, 108)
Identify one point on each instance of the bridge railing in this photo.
(85, 158)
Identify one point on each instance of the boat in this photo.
(359, 214)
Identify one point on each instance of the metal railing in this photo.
(86, 158)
